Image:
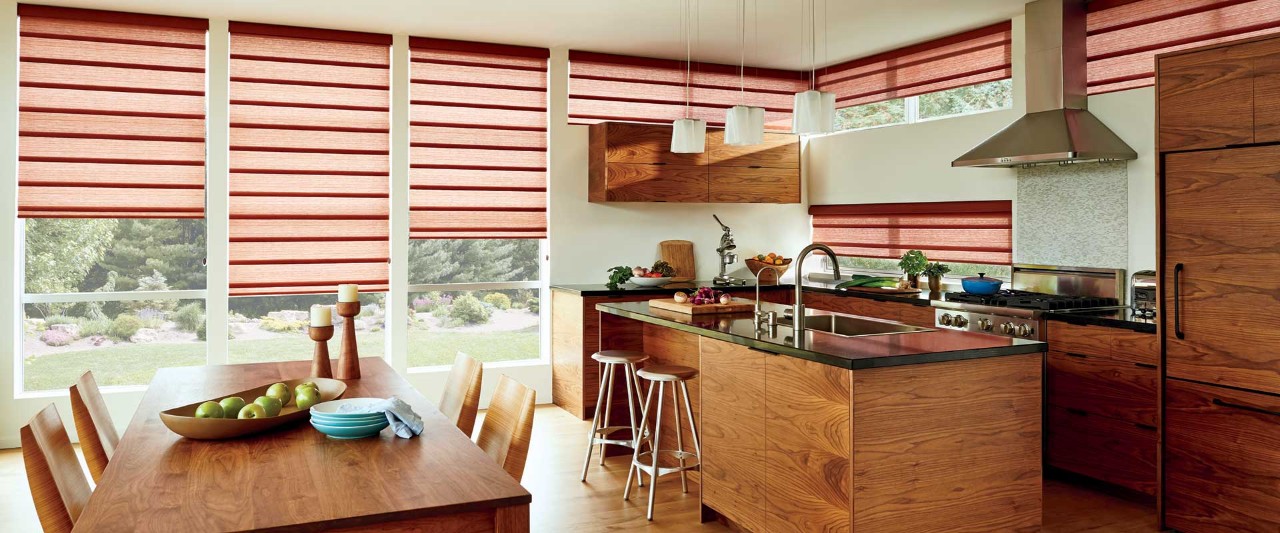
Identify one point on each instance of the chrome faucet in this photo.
(770, 319)
(797, 309)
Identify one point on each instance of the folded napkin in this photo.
(403, 420)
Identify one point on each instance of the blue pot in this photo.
(981, 285)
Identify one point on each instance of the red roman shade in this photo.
(639, 89)
(977, 56)
(111, 114)
(478, 140)
(309, 189)
(959, 232)
(1126, 35)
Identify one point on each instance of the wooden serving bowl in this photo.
(182, 420)
(768, 277)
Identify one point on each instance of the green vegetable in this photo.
(869, 281)
(664, 268)
(618, 274)
(883, 284)
(913, 262)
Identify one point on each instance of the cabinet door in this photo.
(1221, 459)
(1206, 99)
(1103, 448)
(756, 185)
(1101, 386)
(779, 150)
(656, 183)
(1222, 255)
(733, 432)
(643, 143)
(809, 453)
(1266, 92)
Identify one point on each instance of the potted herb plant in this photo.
(934, 272)
(913, 264)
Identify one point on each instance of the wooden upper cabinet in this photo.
(1206, 99)
(1266, 91)
(633, 163)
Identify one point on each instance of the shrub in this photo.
(468, 310)
(499, 300)
(431, 301)
(53, 320)
(282, 326)
(54, 337)
(200, 332)
(124, 326)
(189, 317)
(532, 305)
(92, 327)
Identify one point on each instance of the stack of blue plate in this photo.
(344, 419)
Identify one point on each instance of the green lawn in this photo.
(135, 364)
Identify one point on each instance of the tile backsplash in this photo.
(1073, 215)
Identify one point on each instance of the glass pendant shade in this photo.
(815, 112)
(744, 125)
(688, 136)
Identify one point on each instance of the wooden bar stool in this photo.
(678, 377)
(600, 428)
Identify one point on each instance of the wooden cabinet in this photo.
(916, 315)
(1221, 459)
(1103, 405)
(1222, 253)
(733, 432)
(1220, 96)
(633, 163)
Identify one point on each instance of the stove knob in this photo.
(946, 319)
(1006, 328)
(1024, 330)
(984, 324)
(961, 321)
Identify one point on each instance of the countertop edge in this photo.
(1085, 320)
(848, 364)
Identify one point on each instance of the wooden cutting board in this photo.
(680, 255)
(736, 306)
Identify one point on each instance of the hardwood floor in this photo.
(562, 503)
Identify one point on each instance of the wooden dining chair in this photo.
(58, 484)
(462, 393)
(508, 424)
(98, 437)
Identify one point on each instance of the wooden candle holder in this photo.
(349, 358)
(320, 366)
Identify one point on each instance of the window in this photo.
(971, 237)
(955, 102)
(274, 328)
(120, 297)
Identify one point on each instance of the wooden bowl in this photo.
(768, 277)
(182, 420)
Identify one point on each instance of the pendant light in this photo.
(815, 111)
(688, 135)
(743, 124)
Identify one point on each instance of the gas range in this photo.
(1018, 312)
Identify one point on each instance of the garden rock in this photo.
(70, 329)
(143, 335)
(290, 316)
(240, 328)
(99, 340)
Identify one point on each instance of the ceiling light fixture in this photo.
(688, 134)
(743, 124)
(815, 111)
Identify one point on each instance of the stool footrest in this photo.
(644, 462)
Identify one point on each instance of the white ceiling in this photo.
(857, 28)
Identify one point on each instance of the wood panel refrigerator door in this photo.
(733, 432)
(1206, 99)
(1266, 91)
(1222, 267)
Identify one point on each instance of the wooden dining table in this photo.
(294, 478)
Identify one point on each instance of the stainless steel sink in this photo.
(851, 326)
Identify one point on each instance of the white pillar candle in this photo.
(321, 316)
(348, 292)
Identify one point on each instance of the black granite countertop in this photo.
(923, 298)
(599, 289)
(1117, 317)
(871, 351)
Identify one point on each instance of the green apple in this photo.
(252, 410)
(307, 385)
(306, 398)
(231, 406)
(271, 405)
(209, 410)
(280, 391)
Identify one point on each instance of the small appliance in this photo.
(1144, 300)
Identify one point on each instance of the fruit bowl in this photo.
(650, 282)
(755, 266)
(182, 420)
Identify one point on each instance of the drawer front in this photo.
(1101, 386)
(1135, 347)
(656, 183)
(1120, 344)
(1221, 459)
(1115, 451)
(755, 185)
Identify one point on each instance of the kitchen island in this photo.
(915, 430)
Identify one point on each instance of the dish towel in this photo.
(403, 420)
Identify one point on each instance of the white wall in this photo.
(1131, 114)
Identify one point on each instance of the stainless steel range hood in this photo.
(1058, 126)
